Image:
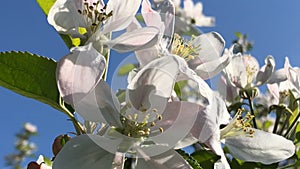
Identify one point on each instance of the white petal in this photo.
(264, 147)
(134, 40)
(167, 160)
(266, 71)
(235, 72)
(123, 14)
(215, 145)
(278, 76)
(100, 105)
(145, 56)
(82, 152)
(211, 46)
(64, 17)
(79, 72)
(177, 121)
(226, 90)
(209, 119)
(210, 69)
(155, 80)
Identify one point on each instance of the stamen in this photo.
(238, 126)
(93, 15)
(184, 49)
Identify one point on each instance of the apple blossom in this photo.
(146, 125)
(202, 53)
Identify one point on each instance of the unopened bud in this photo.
(33, 165)
(59, 142)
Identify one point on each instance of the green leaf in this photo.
(194, 163)
(125, 69)
(46, 6)
(30, 75)
(205, 158)
(239, 35)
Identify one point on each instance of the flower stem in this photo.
(106, 55)
(79, 129)
(284, 124)
(292, 125)
(252, 110)
(278, 116)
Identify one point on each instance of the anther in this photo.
(159, 117)
(152, 124)
(161, 129)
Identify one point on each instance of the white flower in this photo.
(92, 21)
(202, 53)
(147, 125)
(42, 163)
(30, 127)
(194, 12)
(280, 89)
(243, 142)
(68, 16)
(244, 72)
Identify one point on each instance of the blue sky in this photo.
(272, 24)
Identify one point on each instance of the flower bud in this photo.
(59, 142)
(33, 165)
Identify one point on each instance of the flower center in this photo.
(284, 96)
(251, 68)
(183, 49)
(238, 126)
(94, 15)
(132, 128)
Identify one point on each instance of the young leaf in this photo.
(125, 69)
(30, 75)
(45, 6)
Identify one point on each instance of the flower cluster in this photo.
(167, 104)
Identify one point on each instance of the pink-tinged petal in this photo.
(123, 14)
(82, 152)
(259, 149)
(266, 71)
(236, 73)
(134, 40)
(177, 120)
(211, 46)
(64, 17)
(274, 90)
(78, 72)
(167, 160)
(226, 90)
(100, 105)
(151, 17)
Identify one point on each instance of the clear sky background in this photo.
(273, 25)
